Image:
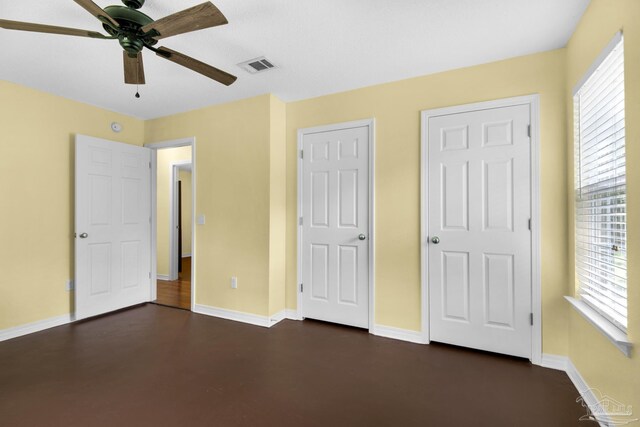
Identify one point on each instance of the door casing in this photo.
(536, 297)
(370, 123)
(190, 141)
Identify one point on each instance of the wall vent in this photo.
(257, 65)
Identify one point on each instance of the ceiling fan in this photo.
(135, 31)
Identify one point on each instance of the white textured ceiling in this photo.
(320, 47)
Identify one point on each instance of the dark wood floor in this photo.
(176, 293)
(158, 366)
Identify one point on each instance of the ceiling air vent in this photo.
(257, 65)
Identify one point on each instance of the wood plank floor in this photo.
(158, 366)
(176, 293)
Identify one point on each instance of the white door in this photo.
(479, 232)
(112, 225)
(335, 226)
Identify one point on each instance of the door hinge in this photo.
(531, 319)
(301, 287)
(149, 275)
(529, 131)
(149, 165)
(300, 221)
(529, 223)
(302, 154)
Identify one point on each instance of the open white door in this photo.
(112, 225)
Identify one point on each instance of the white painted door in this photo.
(479, 237)
(335, 226)
(112, 224)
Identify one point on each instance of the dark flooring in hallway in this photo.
(176, 293)
(158, 366)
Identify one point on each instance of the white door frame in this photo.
(536, 291)
(183, 142)
(173, 215)
(370, 123)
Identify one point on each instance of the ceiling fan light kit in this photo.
(135, 31)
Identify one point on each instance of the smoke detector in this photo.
(257, 65)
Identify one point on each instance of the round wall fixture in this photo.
(116, 127)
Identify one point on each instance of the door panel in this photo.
(479, 207)
(113, 208)
(335, 211)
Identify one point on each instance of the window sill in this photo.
(615, 335)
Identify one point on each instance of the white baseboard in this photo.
(563, 363)
(186, 255)
(278, 317)
(162, 277)
(29, 328)
(239, 316)
(398, 334)
(292, 314)
(553, 361)
(587, 394)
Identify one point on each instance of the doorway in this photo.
(173, 170)
(480, 239)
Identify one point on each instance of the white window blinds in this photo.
(600, 187)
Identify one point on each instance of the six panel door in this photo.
(112, 215)
(479, 266)
(335, 215)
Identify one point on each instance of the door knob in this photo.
(362, 236)
(435, 240)
(83, 235)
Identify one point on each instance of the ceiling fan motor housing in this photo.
(130, 35)
(134, 4)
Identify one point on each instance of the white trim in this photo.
(182, 142)
(240, 316)
(186, 255)
(594, 66)
(370, 123)
(553, 361)
(586, 392)
(173, 143)
(536, 289)
(162, 277)
(37, 326)
(398, 334)
(603, 325)
(292, 314)
(174, 168)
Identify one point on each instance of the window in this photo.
(600, 187)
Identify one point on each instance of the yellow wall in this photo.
(185, 178)
(396, 108)
(36, 230)
(165, 158)
(233, 155)
(277, 205)
(602, 365)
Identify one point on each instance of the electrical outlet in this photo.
(234, 282)
(68, 286)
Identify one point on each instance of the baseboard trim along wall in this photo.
(563, 363)
(30, 328)
(162, 277)
(398, 334)
(239, 316)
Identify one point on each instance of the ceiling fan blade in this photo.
(197, 66)
(98, 12)
(204, 15)
(133, 69)
(51, 29)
